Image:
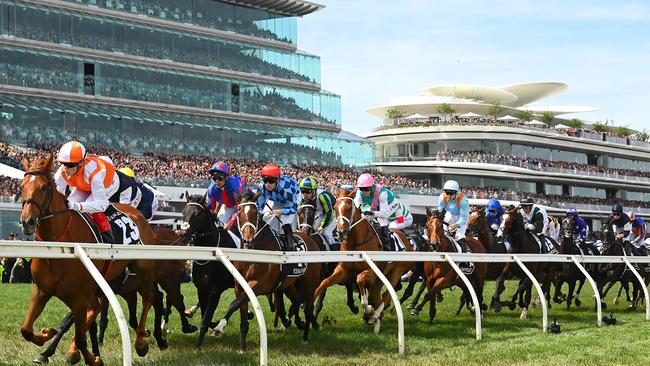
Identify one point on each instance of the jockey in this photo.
(456, 206)
(493, 213)
(223, 194)
(92, 180)
(380, 202)
(324, 220)
(137, 194)
(553, 228)
(285, 194)
(535, 219)
(580, 230)
(637, 234)
(618, 220)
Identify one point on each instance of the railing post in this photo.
(393, 295)
(112, 299)
(253, 299)
(472, 292)
(642, 283)
(599, 305)
(538, 288)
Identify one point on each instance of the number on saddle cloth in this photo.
(396, 242)
(296, 269)
(124, 229)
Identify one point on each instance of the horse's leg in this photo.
(280, 311)
(414, 303)
(581, 282)
(85, 310)
(415, 277)
(569, 297)
(362, 278)
(65, 325)
(131, 298)
(208, 312)
(319, 303)
(500, 287)
(308, 301)
(94, 344)
(243, 323)
(175, 299)
(339, 276)
(236, 304)
(440, 284)
(159, 312)
(148, 299)
(103, 322)
(36, 305)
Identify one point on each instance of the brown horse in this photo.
(357, 233)
(45, 213)
(440, 275)
(266, 278)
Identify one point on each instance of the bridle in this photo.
(196, 235)
(248, 223)
(43, 208)
(304, 224)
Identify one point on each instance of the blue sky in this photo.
(372, 50)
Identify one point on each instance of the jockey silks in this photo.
(225, 195)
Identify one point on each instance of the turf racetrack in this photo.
(347, 341)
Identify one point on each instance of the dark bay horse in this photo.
(440, 275)
(45, 213)
(211, 278)
(570, 272)
(266, 278)
(521, 241)
(306, 218)
(356, 233)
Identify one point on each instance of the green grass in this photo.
(449, 341)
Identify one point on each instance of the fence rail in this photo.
(88, 252)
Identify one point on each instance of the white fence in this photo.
(85, 252)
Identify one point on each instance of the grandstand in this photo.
(490, 137)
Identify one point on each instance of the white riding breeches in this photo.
(408, 220)
(276, 225)
(452, 219)
(328, 231)
(225, 213)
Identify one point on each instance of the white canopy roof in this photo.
(562, 127)
(11, 172)
(470, 115)
(508, 118)
(417, 116)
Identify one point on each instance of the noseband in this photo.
(303, 208)
(43, 208)
(186, 226)
(349, 220)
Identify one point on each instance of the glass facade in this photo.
(211, 14)
(89, 31)
(62, 72)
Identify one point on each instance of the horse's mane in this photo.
(196, 198)
(248, 196)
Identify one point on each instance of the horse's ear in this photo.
(481, 210)
(335, 192)
(187, 196)
(256, 196)
(429, 212)
(204, 199)
(26, 164)
(48, 163)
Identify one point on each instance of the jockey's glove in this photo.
(530, 227)
(74, 206)
(320, 230)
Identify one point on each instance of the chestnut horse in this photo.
(266, 278)
(440, 275)
(357, 233)
(45, 213)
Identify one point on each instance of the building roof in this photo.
(349, 136)
(286, 7)
(464, 98)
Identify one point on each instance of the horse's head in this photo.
(196, 218)
(346, 212)
(477, 222)
(511, 222)
(247, 217)
(435, 230)
(612, 245)
(306, 215)
(566, 227)
(37, 192)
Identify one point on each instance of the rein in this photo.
(43, 207)
(351, 224)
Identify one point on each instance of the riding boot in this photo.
(289, 243)
(384, 232)
(542, 243)
(463, 245)
(466, 267)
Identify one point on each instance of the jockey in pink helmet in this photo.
(381, 203)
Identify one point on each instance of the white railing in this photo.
(85, 252)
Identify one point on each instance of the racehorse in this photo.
(357, 233)
(521, 241)
(265, 278)
(45, 213)
(570, 272)
(211, 278)
(169, 275)
(306, 217)
(440, 275)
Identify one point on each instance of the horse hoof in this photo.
(524, 315)
(415, 312)
(74, 358)
(142, 350)
(281, 328)
(315, 325)
(190, 328)
(372, 320)
(377, 327)
(512, 306)
(354, 309)
(40, 359)
(368, 309)
(163, 344)
(577, 302)
(251, 315)
(147, 333)
(300, 325)
(218, 330)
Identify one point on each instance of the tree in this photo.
(395, 114)
(548, 118)
(445, 109)
(494, 110)
(574, 123)
(643, 136)
(600, 127)
(525, 116)
(623, 131)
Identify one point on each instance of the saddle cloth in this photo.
(547, 247)
(295, 269)
(465, 267)
(125, 231)
(396, 244)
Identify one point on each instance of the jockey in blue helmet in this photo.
(493, 213)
